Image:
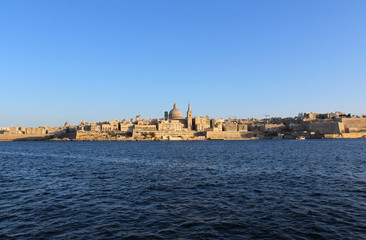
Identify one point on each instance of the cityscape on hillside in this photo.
(174, 126)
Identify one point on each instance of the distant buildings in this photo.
(173, 126)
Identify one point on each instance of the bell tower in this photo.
(189, 117)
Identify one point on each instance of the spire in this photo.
(175, 105)
(189, 117)
(189, 112)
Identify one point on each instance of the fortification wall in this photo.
(273, 127)
(352, 124)
(25, 137)
(226, 135)
(355, 130)
(346, 135)
(175, 134)
(354, 135)
(331, 136)
(326, 127)
(297, 127)
(81, 135)
(145, 127)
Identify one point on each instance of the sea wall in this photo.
(91, 136)
(354, 135)
(346, 135)
(25, 137)
(226, 135)
(170, 135)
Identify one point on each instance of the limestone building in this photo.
(175, 113)
(189, 117)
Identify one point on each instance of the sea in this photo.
(261, 189)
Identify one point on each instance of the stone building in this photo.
(273, 128)
(217, 127)
(146, 128)
(35, 131)
(230, 126)
(170, 125)
(126, 126)
(175, 113)
(189, 117)
(95, 127)
(242, 127)
(201, 123)
(107, 127)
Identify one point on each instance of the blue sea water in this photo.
(284, 189)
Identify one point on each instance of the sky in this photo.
(102, 60)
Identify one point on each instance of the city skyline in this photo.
(96, 61)
(177, 126)
(183, 112)
(60, 120)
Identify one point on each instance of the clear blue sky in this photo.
(103, 60)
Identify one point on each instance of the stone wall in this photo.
(242, 127)
(226, 135)
(355, 130)
(126, 127)
(297, 127)
(17, 137)
(354, 135)
(273, 127)
(81, 135)
(346, 135)
(230, 126)
(175, 134)
(326, 127)
(145, 127)
(354, 124)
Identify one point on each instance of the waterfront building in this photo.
(173, 126)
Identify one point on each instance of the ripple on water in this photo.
(183, 190)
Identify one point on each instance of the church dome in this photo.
(175, 113)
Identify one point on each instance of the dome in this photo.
(175, 113)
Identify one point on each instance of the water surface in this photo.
(288, 189)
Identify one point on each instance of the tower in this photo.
(189, 117)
